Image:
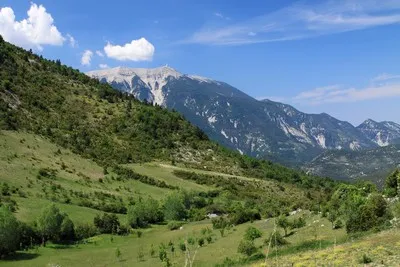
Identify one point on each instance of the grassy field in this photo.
(100, 251)
(23, 155)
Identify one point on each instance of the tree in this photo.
(284, 223)
(247, 247)
(67, 231)
(332, 216)
(143, 213)
(9, 232)
(252, 233)
(107, 223)
(174, 208)
(49, 223)
(392, 184)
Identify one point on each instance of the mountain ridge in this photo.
(261, 128)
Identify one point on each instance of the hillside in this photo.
(372, 165)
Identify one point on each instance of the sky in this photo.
(341, 57)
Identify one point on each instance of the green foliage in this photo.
(392, 184)
(219, 222)
(174, 207)
(276, 240)
(298, 223)
(247, 247)
(67, 231)
(373, 213)
(9, 232)
(365, 259)
(49, 223)
(174, 225)
(85, 230)
(284, 223)
(107, 223)
(252, 233)
(143, 213)
(200, 241)
(5, 189)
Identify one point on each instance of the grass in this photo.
(22, 155)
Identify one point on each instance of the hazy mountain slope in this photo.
(373, 164)
(382, 133)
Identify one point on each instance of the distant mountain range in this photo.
(264, 129)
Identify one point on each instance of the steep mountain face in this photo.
(382, 133)
(374, 164)
(236, 120)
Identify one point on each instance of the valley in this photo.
(94, 176)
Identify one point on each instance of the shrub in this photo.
(209, 239)
(174, 225)
(298, 223)
(252, 233)
(144, 213)
(276, 240)
(247, 247)
(338, 224)
(200, 241)
(107, 223)
(365, 259)
(219, 222)
(83, 231)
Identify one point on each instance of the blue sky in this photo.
(338, 57)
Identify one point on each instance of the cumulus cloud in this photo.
(136, 50)
(99, 53)
(304, 19)
(36, 30)
(103, 66)
(86, 58)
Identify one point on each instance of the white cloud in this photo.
(385, 77)
(86, 58)
(137, 50)
(72, 42)
(299, 21)
(220, 15)
(340, 94)
(99, 53)
(33, 32)
(103, 66)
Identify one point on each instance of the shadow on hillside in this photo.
(21, 256)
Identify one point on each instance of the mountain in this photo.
(374, 164)
(382, 133)
(229, 116)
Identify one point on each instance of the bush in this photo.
(83, 231)
(338, 224)
(219, 222)
(174, 225)
(276, 239)
(365, 259)
(298, 223)
(247, 247)
(200, 241)
(252, 233)
(107, 223)
(144, 213)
